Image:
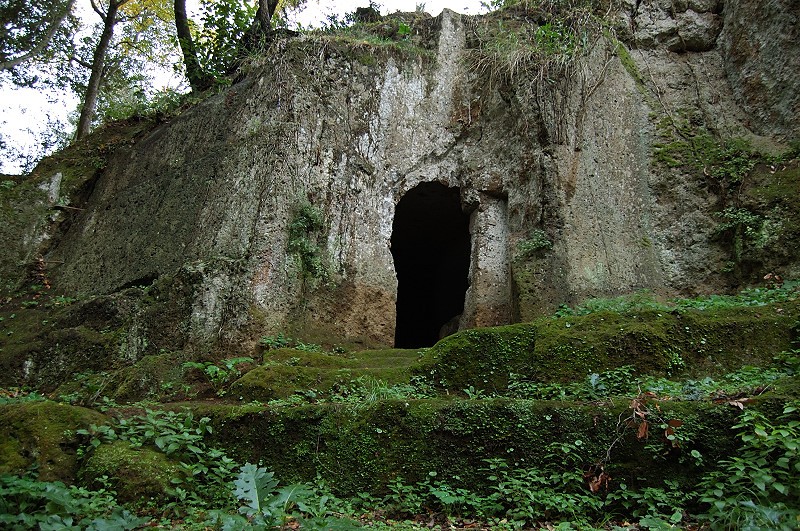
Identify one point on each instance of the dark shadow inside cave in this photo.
(431, 250)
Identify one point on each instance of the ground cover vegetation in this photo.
(613, 449)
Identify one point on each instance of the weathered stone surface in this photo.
(698, 32)
(678, 26)
(761, 47)
(206, 202)
(654, 25)
(705, 6)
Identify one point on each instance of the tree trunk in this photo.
(93, 88)
(266, 9)
(261, 25)
(198, 79)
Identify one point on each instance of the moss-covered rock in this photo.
(774, 198)
(153, 377)
(47, 339)
(43, 356)
(42, 434)
(286, 371)
(688, 343)
(138, 475)
(362, 447)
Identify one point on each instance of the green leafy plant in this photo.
(281, 341)
(62, 300)
(266, 505)
(536, 241)
(366, 390)
(526, 494)
(219, 376)
(473, 393)
(746, 232)
(307, 347)
(403, 498)
(275, 342)
(13, 395)
(613, 382)
(224, 24)
(564, 32)
(723, 161)
(26, 503)
(205, 471)
(645, 300)
(655, 507)
(305, 234)
(757, 488)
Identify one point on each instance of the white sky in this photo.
(24, 112)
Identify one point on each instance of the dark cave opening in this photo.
(431, 250)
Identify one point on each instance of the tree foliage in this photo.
(110, 58)
(33, 31)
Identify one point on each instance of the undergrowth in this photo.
(540, 37)
(755, 489)
(646, 300)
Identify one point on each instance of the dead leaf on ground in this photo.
(644, 428)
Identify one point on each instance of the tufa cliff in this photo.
(392, 188)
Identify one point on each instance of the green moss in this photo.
(47, 346)
(691, 343)
(777, 183)
(138, 475)
(537, 291)
(287, 370)
(630, 66)
(481, 357)
(362, 448)
(42, 434)
(21, 331)
(775, 196)
(153, 377)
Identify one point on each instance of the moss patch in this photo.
(41, 349)
(690, 343)
(361, 447)
(159, 377)
(775, 197)
(286, 371)
(138, 475)
(42, 434)
(46, 344)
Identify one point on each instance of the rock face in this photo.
(678, 25)
(761, 49)
(274, 201)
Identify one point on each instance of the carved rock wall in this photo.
(214, 191)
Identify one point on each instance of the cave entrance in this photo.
(431, 251)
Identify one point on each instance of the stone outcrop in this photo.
(677, 25)
(761, 50)
(554, 165)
